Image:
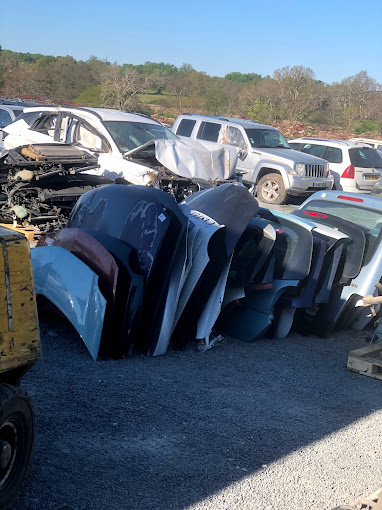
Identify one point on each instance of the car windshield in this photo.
(129, 135)
(365, 157)
(266, 138)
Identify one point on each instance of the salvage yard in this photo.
(278, 424)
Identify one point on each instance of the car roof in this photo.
(246, 123)
(328, 141)
(103, 114)
(366, 140)
(11, 107)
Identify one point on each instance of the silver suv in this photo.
(355, 166)
(265, 158)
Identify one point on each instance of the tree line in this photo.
(291, 94)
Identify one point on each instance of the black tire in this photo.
(271, 189)
(17, 434)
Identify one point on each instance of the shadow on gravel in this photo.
(167, 432)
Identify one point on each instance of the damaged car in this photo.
(40, 183)
(128, 146)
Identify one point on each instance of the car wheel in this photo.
(271, 189)
(17, 433)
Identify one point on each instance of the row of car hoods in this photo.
(135, 271)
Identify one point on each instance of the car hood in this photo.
(289, 155)
(191, 159)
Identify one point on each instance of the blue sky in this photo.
(336, 38)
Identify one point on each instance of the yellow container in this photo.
(19, 329)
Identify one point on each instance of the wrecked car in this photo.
(128, 146)
(40, 183)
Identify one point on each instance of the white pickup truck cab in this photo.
(266, 161)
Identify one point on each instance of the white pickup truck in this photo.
(266, 161)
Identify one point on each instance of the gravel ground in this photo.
(274, 424)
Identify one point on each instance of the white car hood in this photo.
(193, 160)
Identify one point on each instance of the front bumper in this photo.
(306, 185)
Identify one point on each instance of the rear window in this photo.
(366, 218)
(185, 127)
(365, 157)
(209, 131)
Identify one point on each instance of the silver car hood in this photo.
(290, 155)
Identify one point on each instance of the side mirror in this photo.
(242, 154)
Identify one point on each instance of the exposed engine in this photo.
(41, 183)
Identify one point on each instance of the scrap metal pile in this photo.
(135, 271)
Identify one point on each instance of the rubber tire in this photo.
(16, 408)
(278, 180)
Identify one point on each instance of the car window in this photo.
(46, 125)
(30, 118)
(5, 118)
(130, 135)
(333, 155)
(314, 150)
(87, 138)
(185, 127)
(17, 113)
(209, 131)
(233, 136)
(293, 145)
(266, 138)
(365, 157)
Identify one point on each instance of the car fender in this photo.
(73, 288)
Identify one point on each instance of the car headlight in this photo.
(299, 169)
(326, 171)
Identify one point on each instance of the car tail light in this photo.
(352, 199)
(315, 214)
(349, 172)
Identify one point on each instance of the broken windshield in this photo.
(129, 135)
(266, 138)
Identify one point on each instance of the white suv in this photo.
(355, 166)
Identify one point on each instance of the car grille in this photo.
(314, 170)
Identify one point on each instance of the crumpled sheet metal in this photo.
(73, 288)
(192, 160)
